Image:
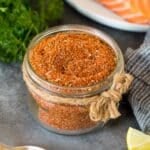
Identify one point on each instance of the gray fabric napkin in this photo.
(138, 64)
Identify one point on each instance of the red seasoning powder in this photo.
(70, 59)
(73, 59)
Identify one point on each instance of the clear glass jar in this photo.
(44, 97)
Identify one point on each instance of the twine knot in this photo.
(106, 106)
(121, 82)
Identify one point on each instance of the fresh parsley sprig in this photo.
(19, 23)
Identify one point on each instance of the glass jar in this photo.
(45, 98)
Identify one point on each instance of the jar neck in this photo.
(88, 91)
(73, 91)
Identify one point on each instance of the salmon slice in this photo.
(141, 5)
(136, 11)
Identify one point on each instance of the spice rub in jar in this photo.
(73, 59)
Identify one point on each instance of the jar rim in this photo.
(98, 87)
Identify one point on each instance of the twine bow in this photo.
(102, 107)
(106, 106)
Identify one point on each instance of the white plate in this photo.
(97, 12)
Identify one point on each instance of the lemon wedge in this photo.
(137, 140)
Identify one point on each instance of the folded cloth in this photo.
(138, 64)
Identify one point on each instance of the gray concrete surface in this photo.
(17, 126)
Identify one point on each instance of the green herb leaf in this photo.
(19, 23)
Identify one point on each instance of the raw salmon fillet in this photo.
(135, 11)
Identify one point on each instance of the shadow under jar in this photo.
(65, 68)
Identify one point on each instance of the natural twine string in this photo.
(101, 107)
(106, 107)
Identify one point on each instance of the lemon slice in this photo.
(137, 140)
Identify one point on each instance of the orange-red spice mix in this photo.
(63, 116)
(73, 59)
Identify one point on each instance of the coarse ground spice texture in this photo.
(63, 116)
(70, 59)
(73, 59)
